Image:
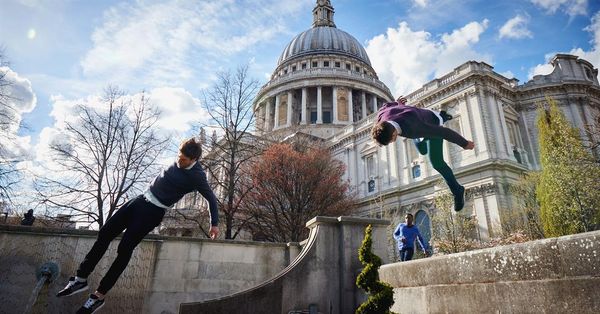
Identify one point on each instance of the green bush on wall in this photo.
(381, 295)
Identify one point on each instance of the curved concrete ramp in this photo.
(323, 274)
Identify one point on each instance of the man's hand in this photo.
(214, 232)
(470, 145)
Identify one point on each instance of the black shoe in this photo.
(445, 116)
(459, 199)
(421, 146)
(73, 287)
(91, 305)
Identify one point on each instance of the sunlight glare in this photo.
(31, 33)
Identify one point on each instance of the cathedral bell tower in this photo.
(323, 14)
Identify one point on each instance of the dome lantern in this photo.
(323, 14)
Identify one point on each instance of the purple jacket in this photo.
(416, 123)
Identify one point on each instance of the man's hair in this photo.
(191, 148)
(411, 215)
(382, 132)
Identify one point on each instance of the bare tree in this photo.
(229, 104)
(9, 175)
(108, 155)
(190, 215)
(6, 108)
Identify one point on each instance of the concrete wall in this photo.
(189, 270)
(323, 275)
(163, 271)
(557, 275)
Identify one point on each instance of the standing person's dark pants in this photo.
(436, 156)
(406, 253)
(139, 217)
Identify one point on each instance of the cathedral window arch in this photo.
(371, 172)
(411, 151)
(423, 222)
(454, 151)
(514, 135)
(588, 74)
(369, 159)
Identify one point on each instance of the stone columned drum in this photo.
(323, 82)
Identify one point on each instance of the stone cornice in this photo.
(457, 80)
(478, 167)
(528, 100)
(467, 83)
(323, 77)
(308, 57)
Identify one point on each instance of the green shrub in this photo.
(381, 295)
(569, 189)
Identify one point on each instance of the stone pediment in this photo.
(369, 148)
(510, 111)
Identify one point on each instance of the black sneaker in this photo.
(459, 199)
(73, 287)
(445, 116)
(421, 146)
(91, 305)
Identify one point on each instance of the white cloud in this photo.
(421, 3)
(516, 28)
(508, 74)
(592, 56)
(19, 99)
(171, 42)
(570, 7)
(405, 59)
(180, 111)
(34, 3)
(540, 69)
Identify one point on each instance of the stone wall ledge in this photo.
(556, 275)
(554, 258)
(574, 295)
(46, 231)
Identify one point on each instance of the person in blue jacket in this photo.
(405, 235)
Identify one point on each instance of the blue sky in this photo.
(65, 52)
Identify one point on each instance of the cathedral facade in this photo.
(324, 86)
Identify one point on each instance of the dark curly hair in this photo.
(191, 148)
(382, 133)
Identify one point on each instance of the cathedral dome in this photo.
(324, 40)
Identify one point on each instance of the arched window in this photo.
(423, 222)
